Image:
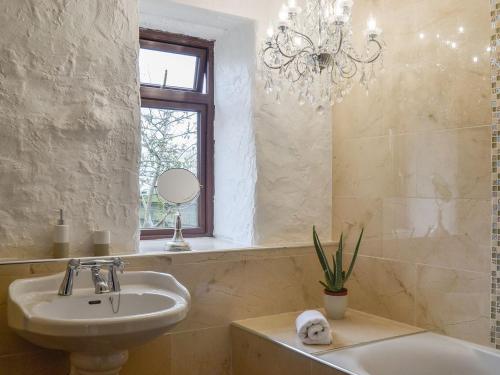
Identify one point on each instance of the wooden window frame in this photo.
(155, 96)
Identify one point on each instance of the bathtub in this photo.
(419, 354)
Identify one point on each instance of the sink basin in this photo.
(96, 327)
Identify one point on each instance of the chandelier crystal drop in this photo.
(310, 53)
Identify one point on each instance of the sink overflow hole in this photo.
(96, 302)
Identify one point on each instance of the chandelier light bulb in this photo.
(270, 31)
(372, 24)
(338, 9)
(283, 14)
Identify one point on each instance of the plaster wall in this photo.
(235, 154)
(235, 158)
(293, 149)
(69, 115)
(412, 165)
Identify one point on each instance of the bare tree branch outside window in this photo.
(169, 139)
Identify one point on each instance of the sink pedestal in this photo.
(97, 363)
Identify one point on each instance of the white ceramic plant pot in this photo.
(335, 304)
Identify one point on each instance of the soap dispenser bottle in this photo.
(61, 238)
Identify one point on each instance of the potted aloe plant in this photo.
(335, 297)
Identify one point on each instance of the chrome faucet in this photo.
(101, 285)
(66, 288)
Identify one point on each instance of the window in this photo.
(177, 110)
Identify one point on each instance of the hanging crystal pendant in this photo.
(268, 88)
(302, 99)
(320, 110)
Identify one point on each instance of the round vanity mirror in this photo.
(180, 187)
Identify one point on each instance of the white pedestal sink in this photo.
(97, 329)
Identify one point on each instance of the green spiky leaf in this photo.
(355, 255)
(322, 257)
(339, 282)
(326, 286)
(335, 278)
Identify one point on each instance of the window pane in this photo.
(169, 140)
(180, 69)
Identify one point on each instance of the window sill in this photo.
(197, 244)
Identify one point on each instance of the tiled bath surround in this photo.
(495, 131)
(412, 164)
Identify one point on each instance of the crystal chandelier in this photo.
(310, 53)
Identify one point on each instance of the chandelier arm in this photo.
(292, 56)
(352, 75)
(371, 59)
(333, 78)
(285, 65)
(311, 43)
(303, 72)
(278, 47)
(341, 41)
(264, 58)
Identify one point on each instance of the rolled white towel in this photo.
(313, 328)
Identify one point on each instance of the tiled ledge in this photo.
(265, 340)
(160, 260)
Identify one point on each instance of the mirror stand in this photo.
(178, 243)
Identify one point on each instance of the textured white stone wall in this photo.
(69, 134)
(69, 115)
(235, 159)
(292, 144)
(235, 155)
(294, 171)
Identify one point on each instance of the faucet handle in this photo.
(119, 264)
(74, 263)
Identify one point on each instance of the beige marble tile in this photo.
(14, 269)
(383, 287)
(43, 362)
(10, 342)
(452, 233)
(255, 355)
(454, 302)
(282, 284)
(356, 328)
(45, 268)
(166, 259)
(202, 351)
(376, 167)
(352, 214)
(454, 251)
(418, 90)
(153, 358)
(225, 291)
(454, 164)
(217, 293)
